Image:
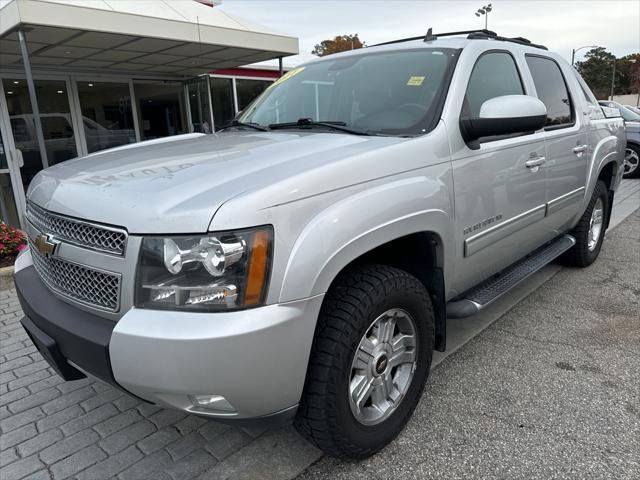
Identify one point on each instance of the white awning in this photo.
(170, 37)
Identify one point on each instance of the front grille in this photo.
(81, 233)
(86, 285)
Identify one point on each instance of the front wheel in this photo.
(369, 362)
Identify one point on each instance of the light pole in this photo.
(485, 11)
(613, 76)
(573, 52)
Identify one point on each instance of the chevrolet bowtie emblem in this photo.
(45, 245)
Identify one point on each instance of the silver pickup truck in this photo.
(301, 264)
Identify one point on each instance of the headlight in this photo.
(206, 273)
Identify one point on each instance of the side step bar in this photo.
(480, 296)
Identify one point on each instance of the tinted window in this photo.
(495, 74)
(552, 90)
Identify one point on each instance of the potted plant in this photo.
(12, 242)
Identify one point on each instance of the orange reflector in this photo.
(258, 265)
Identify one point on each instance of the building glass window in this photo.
(222, 100)
(8, 210)
(161, 109)
(55, 117)
(107, 117)
(248, 90)
(199, 105)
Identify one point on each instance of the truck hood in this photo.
(176, 185)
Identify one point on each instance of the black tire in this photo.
(634, 171)
(356, 299)
(580, 255)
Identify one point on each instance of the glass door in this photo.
(55, 117)
(8, 206)
(21, 148)
(222, 98)
(107, 114)
(199, 104)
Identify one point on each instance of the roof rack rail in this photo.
(432, 36)
(518, 40)
(471, 35)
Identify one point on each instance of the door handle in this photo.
(579, 149)
(535, 162)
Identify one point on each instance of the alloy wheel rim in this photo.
(631, 160)
(595, 225)
(383, 366)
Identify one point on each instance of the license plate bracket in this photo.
(48, 348)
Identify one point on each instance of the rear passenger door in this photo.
(566, 139)
(499, 200)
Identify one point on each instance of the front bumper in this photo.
(256, 359)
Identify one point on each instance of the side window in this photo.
(552, 90)
(495, 74)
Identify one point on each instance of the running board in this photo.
(480, 296)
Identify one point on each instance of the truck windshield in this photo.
(393, 92)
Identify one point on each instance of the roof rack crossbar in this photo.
(518, 40)
(432, 36)
(482, 34)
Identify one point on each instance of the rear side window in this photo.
(495, 74)
(552, 90)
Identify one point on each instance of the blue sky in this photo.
(560, 25)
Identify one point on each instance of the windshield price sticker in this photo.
(415, 81)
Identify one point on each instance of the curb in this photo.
(6, 271)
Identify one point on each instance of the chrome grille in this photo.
(84, 234)
(86, 285)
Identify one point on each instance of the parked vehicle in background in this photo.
(632, 128)
(301, 264)
(635, 110)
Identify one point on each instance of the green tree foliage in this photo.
(341, 43)
(597, 70)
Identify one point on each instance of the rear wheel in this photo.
(369, 362)
(631, 161)
(589, 233)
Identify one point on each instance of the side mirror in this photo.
(505, 115)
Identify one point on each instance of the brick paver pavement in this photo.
(50, 428)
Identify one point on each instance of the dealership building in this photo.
(77, 77)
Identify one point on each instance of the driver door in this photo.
(499, 195)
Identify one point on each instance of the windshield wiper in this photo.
(307, 122)
(236, 123)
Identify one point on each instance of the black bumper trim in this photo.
(64, 332)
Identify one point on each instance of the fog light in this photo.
(212, 404)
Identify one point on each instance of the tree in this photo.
(596, 70)
(628, 74)
(341, 43)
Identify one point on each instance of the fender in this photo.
(341, 233)
(606, 151)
